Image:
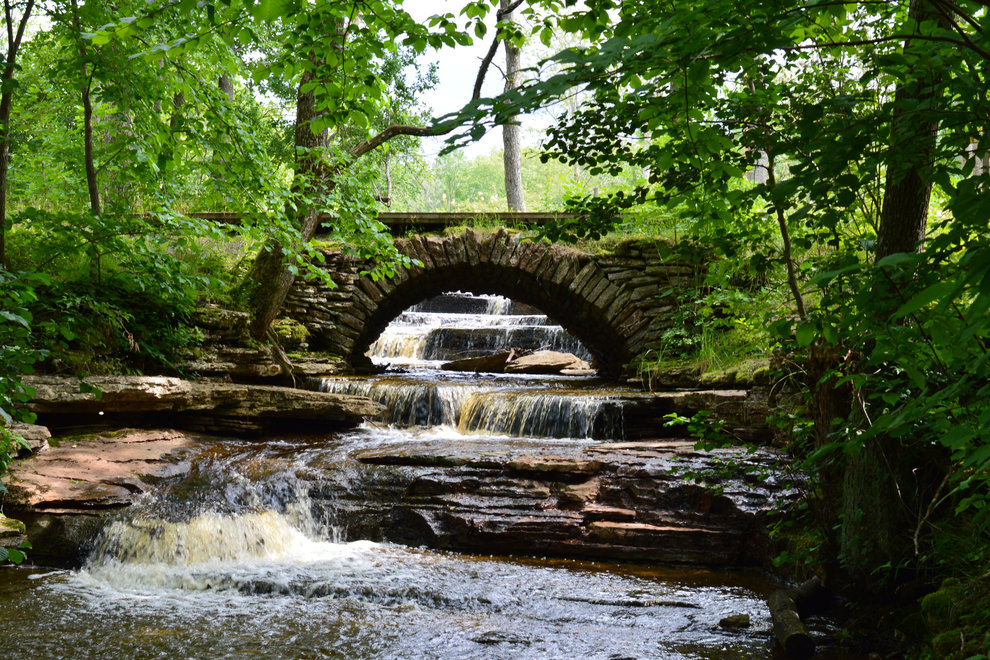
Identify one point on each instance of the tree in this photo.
(512, 147)
(324, 100)
(863, 107)
(7, 84)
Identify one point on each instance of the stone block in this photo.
(435, 247)
(349, 324)
(583, 275)
(472, 247)
(371, 291)
(621, 301)
(362, 300)
(501, 245)
(607, 297)
(456, 250)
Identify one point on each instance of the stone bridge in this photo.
(617, 304)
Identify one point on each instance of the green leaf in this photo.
(940, 291)
(958, 436)
(805, 334)
(897, 259)
(16, 318)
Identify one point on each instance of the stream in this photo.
(255, 554)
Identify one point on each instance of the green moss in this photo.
(749, 372)
(11, 527)
(291, 334)
(313, 356)
(958, 616)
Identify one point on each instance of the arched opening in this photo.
(465, 331)
(576, 312)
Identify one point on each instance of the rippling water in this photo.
(365, 600)
(235, 561)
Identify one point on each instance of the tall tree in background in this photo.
(511, 130)
(7, 83)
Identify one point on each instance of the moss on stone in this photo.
(12, 532)
(290, 333)
(747, 373)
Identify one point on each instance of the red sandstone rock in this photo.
(97, 472)
(545, 362)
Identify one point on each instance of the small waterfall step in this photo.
(460, 325)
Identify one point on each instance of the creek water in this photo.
(241, 559)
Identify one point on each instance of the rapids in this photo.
(240, 559)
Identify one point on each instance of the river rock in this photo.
(95, 472)
(223, 325)
(12, 532)
(240, 364)
(734, 621)
(208, 406)
(494, 363)
(626, 501)
(67, 495)
(34, 435)
(545, 362)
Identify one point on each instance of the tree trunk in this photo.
(512, 153)
(888, 482)
(908, 186)
(770, 178)
(91, 182)
(6, 101)
(226, 86)
(270, 276)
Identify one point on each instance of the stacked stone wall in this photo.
(618, 303)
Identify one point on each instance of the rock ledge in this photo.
(206, 406)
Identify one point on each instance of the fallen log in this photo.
(787, 625)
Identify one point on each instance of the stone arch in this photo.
(567, 285)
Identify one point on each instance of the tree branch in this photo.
(894, 37)
(486, 61)
(10, 25)
(483, 69)
(395, 130)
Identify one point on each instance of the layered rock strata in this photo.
(630, 501)
(206, 406)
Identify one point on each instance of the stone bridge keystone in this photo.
(618, 304)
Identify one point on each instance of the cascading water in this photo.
(247, 555)
(460, 325)
(219, 566)
(487, 404)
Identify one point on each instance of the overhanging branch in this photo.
(395, 130)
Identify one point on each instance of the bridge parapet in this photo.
(618, 304)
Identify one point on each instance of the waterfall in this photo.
(459, 325)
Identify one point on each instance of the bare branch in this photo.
(483, 69)
(395, 130)
(486, 61)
